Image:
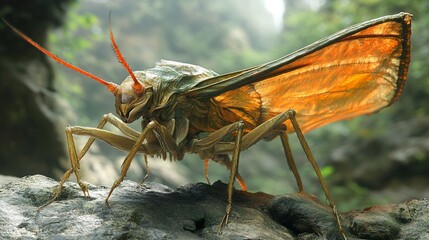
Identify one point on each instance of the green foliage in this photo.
(327, 171)
(65, 39)
(79, 34)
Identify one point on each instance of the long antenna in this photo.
(112, 87)
(137, 87)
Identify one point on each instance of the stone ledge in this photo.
(193, 211)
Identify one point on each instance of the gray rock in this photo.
(7, 179)
(136, 212)
(193, 211)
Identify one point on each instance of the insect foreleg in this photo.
(105, 119)
(127, 162)
(122, 142)
(119, 141)
(115, 121)
(166, 143)
(74, 161)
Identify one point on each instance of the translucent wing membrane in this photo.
(354, 72)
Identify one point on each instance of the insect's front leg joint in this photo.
(108, 115)
(152, 124)
(291, 113)
(241, 124)
(68, 129)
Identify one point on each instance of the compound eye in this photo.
(125, 98)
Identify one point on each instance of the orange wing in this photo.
(357, 74)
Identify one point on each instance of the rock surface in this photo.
(193, 211)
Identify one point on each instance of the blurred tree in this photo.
(30, 124)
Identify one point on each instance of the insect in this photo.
(185, 108)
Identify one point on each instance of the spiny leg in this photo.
(207, 143)
(266, 128)
(75, 161)
(115, 121)
(147, 170)
(316, 168)
(234, 167)
(214, 144)
(118, 141)
(127, 162)
(130, 144)
(290, 160)
(75, 166)
(270, 127)
(106, 118)
(201, 145)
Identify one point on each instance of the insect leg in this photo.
(83, 151)
(147, 170)
(75, 161)
(316, 168)
(118, 141)
(266, 128)
(233, 173)
(127, 162)
(112, 119)
(290, 159)
(200, 145)
(115, 121)
(206, 170)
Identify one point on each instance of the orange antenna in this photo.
(137, 87)
(112, 87)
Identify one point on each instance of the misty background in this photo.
(374, 159)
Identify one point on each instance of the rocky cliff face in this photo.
(193, 211)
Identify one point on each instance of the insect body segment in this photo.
(187, 108)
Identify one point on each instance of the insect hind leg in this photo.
(270, 128)
(316, 168)
(290, 159)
